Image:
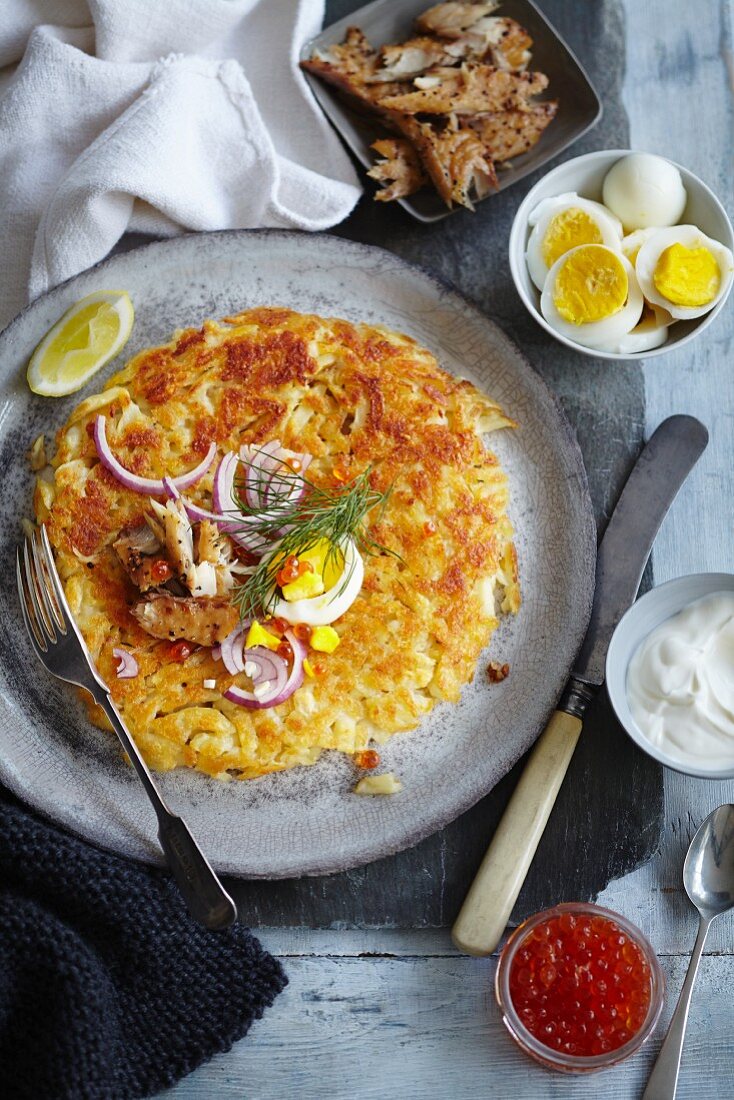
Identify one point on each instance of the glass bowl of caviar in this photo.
(579, 987)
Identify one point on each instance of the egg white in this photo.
(595, 334)
(649, 333)
(643, 190)
(691, 237)
(609, 226)
(634, 241)
(330, 605)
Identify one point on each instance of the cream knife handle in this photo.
(492, 895)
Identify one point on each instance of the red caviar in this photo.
(160, 570)
(180, 651)
(368, 759)
(580, 984)
(276, 626)
(303, 632)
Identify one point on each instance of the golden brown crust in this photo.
(454, 158)
(512, 133)
(458, 91)
(354, 396)
(473, 89)
(399, 169)
(453, 19)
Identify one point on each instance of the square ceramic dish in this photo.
(386, 21)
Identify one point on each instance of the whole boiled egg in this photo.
(684, 271)
(591, 296)
(644, 190)
(565, 222)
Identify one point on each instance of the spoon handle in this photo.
(663, 1080)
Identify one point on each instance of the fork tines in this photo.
(41, 596)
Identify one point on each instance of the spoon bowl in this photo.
(708, 876)
(708, 871)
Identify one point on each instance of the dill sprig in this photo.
(331, 514)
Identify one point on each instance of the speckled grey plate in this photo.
(305, 821)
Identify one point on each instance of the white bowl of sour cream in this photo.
(670, 674)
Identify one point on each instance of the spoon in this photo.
(708, 876)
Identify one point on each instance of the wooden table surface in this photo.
(377, 1013)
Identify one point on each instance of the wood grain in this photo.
(679, 99)
(383, 1027)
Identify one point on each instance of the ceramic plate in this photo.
(304, 821)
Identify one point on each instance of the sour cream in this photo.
(680, 684)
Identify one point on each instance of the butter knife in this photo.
(660, 470)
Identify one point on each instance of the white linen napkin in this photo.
(160, 116)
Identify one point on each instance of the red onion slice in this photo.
(284, 492)
(281, 688)
(295, 679)
(231, 651)
(269, 667)
(260, 463)
(128, 667)
(170, 488)
(147, 485)
(224, 504)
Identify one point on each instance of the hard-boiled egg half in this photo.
(650, 332)
(684, 271)
(633, 242)
(565, 222)
(336, 579)
(591, 295)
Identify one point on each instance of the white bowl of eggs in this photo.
(622, 255)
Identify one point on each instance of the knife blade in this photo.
(664, 464)
(660, 470)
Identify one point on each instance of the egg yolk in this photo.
(687, 276)
(590, 285)
(567, 230)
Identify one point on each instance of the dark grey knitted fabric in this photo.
(108, 990)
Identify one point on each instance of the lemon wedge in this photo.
(88, 335)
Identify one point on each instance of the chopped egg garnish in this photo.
(324, 638)
(387, 783)
(258, 635)
(261, 689)
(209, 684)
(309, 669)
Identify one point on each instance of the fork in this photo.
(62, 650)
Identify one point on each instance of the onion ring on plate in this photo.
(149, 486)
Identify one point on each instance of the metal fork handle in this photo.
(206, 899)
